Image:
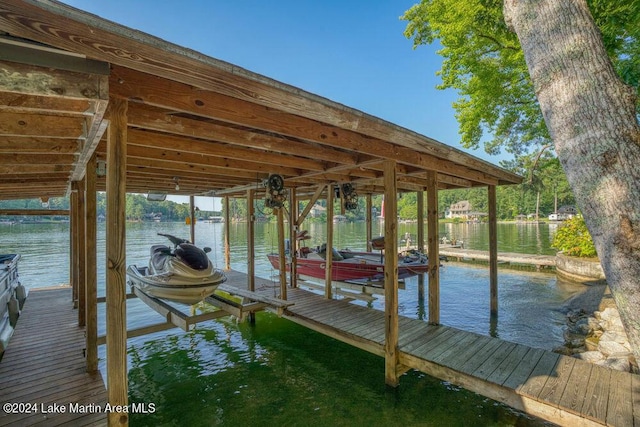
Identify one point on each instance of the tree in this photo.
(590, 112)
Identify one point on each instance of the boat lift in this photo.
(176, 318)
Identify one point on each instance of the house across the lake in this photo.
(463, 210)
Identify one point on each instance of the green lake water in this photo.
(276, 373)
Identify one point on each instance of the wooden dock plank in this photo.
(524, 369)
(556, 383)
(596, 395)
(573, 397)
(436, 345)
(536, 381)
(491, 364)
(426, 336)
(620, 406)
(508, 365)
(45, 363)
(480, 357)
(462, 356)
(452, 350)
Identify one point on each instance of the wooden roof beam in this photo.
(159, 92)
(31, 145)
(145, 117)
(208, 148)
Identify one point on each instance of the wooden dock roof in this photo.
(206, 125)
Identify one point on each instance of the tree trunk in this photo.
(591, 116)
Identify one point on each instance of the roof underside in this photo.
(211, 127)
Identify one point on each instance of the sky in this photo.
(350, 51)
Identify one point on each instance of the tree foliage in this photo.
(574, 239)
(483, 61)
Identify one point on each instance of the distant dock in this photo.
(538, 261)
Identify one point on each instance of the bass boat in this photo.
(183, 274)
(352, 267)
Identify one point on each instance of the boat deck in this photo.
(560, 389)
(45, 365)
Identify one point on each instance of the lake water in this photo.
(278, 373)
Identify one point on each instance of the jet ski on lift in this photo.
(183, 274)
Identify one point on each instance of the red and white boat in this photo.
(349, 266)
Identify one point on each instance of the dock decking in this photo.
(538, 261)
(45, 365)
(561, 389)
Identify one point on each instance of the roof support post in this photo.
(227, 235)
(117, 385)
(192, 219)
(281, 255)
(251, 269)
(493, 251)
(434, 248)
(293, 233)
(91, 274)
(81, 254)
(329, 252)
(420, 236)
(73, 241)
(420, 246)
(392, 373)
(368, 221)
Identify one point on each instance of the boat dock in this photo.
(538, 261)
(45, 363)
(44, 366)
(557, 388)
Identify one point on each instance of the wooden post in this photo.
(420, 245)
(117, 385)
(282, 261)
(82, 254)
(192, 219)
(391, 273)
(91, 274)
(329, 252)
(294, 227)
(227, 235)
(251, 285)
(368, 222)
(493, 251)
(73, 239)
(433, 248)
(420, 236)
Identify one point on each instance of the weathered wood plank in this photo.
(434, 343)
(573, 397)
(455, 347)
(536, 381)
(55, 373)
(428, 335)
(457, 360)
(508, 365)
(596, 395)
(490, 365)
(524, 369)
(620, 406)
(556, 383)
(480, 357)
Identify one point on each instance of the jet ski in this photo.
(183, 274)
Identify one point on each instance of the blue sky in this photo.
(352, 52)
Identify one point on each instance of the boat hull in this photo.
(186, 290)
(363, 266)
